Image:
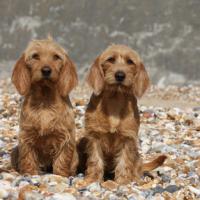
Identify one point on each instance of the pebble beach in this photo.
(170, 125)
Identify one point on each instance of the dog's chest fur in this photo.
(46, 120)
(116, 115)
(115, 110)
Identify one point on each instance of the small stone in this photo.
(79, 102)
(148, 114)
(58, 187)
(2, 144)
(80, 175)
(36, 180)
(33, 196)
(194, 190)
(146, 148)
(77, 180)
(197, 124)
(94, 187)
(196, 109)
(157, 189)
(21, 181)
(165, 178)
(109, 185)
(3, 193)
(8, 176)
(70, 190)
(26, 189)
(132, 198)
(136, 196)
(86, 193)
(113, 197)
(124, 188)
(172, 188)
(1, 108)
(150, 184)
(63, 196)
(162, 148)
(71, 180)
(53, 183)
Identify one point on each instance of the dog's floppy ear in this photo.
(95, 77)
(141, 81)
(21, 76)
(68, 77)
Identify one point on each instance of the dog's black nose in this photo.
(46, 71)
(120, 76)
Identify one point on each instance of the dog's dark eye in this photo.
(129, 61)
(111, 60)
(57, 57)
(36, 56)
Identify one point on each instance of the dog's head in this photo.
(118, 68)
(44, 62)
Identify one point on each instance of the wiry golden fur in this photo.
(47, 128)
(112, 118)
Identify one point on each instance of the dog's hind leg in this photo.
(15, 158)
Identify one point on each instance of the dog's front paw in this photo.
(85, 182)
(122, 180)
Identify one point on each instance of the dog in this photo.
(117, 77)
(45, 75)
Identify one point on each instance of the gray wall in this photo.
(166, 33)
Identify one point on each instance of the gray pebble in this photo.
(80, 175)
(132, 198)
(21, 180)
(94, 187)
(2, 144)
(70, 181)
(158, 189)
(172, 188)
(196, 109)
(165, 178)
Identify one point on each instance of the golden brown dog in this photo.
(45, 75)
(118, 77)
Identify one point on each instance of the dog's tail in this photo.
(154, 163)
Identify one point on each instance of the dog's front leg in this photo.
(128, 163)
(95, 163)
(65, 163)
(28, 162)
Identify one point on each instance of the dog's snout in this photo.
(46, 71)
(120, 76)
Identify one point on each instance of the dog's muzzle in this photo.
(46, 71)
(120, 76)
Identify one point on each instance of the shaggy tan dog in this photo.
(45, 75)
(118, 77)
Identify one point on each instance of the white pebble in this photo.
(194, 190)
(94, 187)
(3, 193)
(63, 196)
